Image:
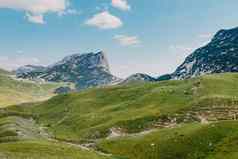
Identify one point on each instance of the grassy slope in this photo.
(134, 108)
(13, 128)
(190, 141)
(90, 114)
(22, 138)
(44, 150)
(15, 92)
(4, 72)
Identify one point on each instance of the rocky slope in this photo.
(85, 70)
(218, 56)
(24, 71)
(138, 77)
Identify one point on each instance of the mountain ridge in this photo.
(85, 70)
(218, 56)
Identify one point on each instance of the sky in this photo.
(146, 36)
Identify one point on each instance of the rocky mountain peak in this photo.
(85, 61)
(226, 34)
(218, 56)
(85, 70)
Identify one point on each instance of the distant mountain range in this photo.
(92, 69)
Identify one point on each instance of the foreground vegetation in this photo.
(189, 141)
(44, 150)
(190, 119)
(22, 138)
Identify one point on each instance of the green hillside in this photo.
(4, 72)
(44, 150)
(189, 141)
(134, 108)
(90, 114)
(14, 92)
(21, 138)
(189, 119)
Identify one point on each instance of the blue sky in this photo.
(148, 36)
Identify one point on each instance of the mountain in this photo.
(138, 77)
(85, 70)
(219, 55)
(185, 119)
(25, 70)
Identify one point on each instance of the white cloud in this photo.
(35, 9)
(104, 20)
(121, 4)
(11, 63)
(125, 40)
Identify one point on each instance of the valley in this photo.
(200, 112)
(118, 79)
(14, 91)
(77, 109)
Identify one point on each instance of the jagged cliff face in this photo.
(218, 56)
(85, 70)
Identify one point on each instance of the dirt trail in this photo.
(116, 133)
